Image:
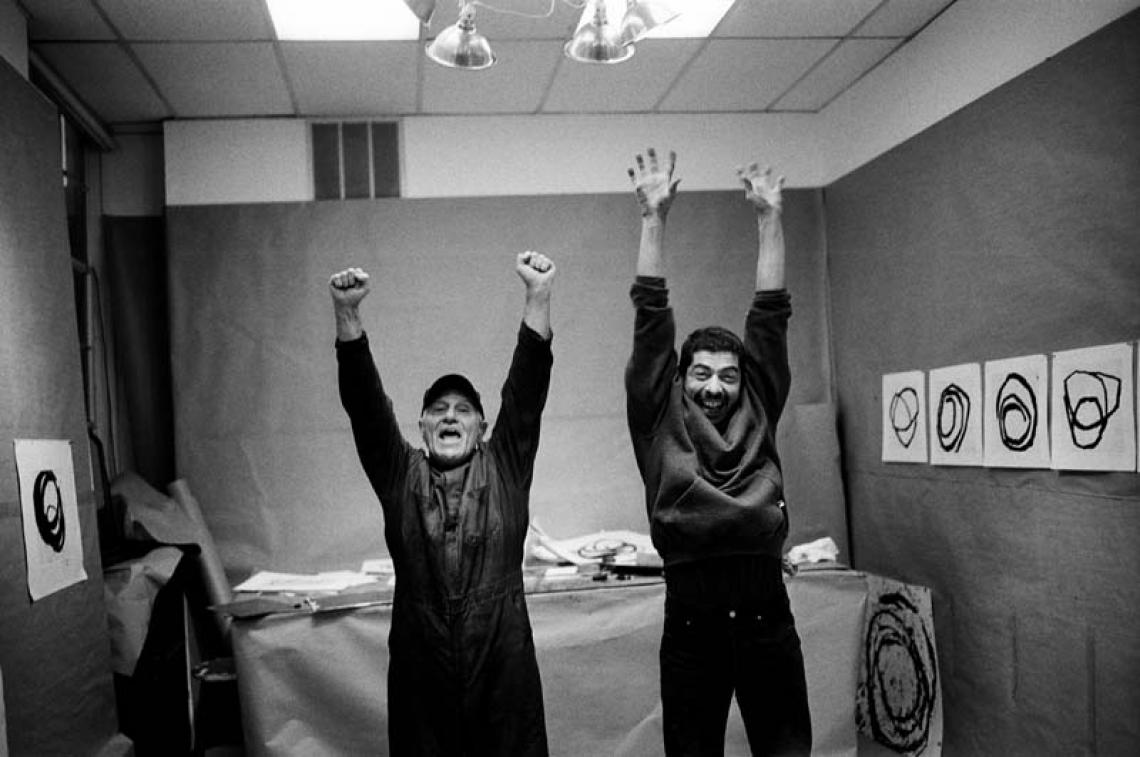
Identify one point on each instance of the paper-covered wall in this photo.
(54, 652)
(1009, 229)
(261, 436)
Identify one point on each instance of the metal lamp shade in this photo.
(460, 46)
(596, 41)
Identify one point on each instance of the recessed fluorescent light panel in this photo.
(343, 20)
(695, 19)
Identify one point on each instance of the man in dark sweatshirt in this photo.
(703, 427)
(463, 678)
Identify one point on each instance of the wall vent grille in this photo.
(355, 159)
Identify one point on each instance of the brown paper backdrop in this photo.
(261, 437)
(54, 654)
(1011, 228)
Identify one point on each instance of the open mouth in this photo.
(450, 434)
(712, 405)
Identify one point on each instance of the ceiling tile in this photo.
(743, 75)
(106, 79)
(793, 18)
(901, 18)
(516, 83)
(353, 78)
(189, 20)
(51, 19)
(230, 78)
(493, 25)
(835, 73)
(635, 85)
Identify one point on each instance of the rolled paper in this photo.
(213, 572)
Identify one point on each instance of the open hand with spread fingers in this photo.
(653, 183)
(761, 189)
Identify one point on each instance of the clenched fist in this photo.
(349, 287)
(536, 270)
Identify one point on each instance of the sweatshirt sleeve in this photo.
(766, 350)
(382, 448)
(516, 433)
(653, 362)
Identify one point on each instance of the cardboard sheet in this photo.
(130, 589)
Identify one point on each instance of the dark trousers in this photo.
(707, 656)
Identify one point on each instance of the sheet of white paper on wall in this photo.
(956, 415)
(1093, 409)
(1015, 426)
(904, 417)
(53, 545)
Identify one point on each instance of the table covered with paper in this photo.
(312, 664)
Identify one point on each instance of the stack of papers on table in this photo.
(336, 580)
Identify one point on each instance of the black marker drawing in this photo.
(1091, 398)
(1016, 413)
(606, 548)
(904, 415)
(48, 504)
(953, 417)
(899, 687)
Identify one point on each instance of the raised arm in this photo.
(655, 187)
(653, 361)
(348, 288)
(766, 327)
(517, 427)
(537, 272)
(766, 195)
(379, 443)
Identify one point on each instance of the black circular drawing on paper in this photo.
(1016, 413)
(904, 415)
(47, 501)
(1091, 397)
(953, 417)
(901, 675)
(606, 548)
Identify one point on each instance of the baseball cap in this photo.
(452, 382)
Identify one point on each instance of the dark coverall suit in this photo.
(463, 679)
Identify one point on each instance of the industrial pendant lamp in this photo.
(460, 46)
(596, 41)
(642, 16)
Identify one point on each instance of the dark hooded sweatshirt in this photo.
(463, 679)
(710, 495)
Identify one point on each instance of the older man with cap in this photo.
(462, 677)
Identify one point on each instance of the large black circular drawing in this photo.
(953, 417)
(901, 675)
(47, 501)
(1016, 413)
(1091, 398)
(904, 415)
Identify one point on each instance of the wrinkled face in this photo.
(451, 427)
(712, 381)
